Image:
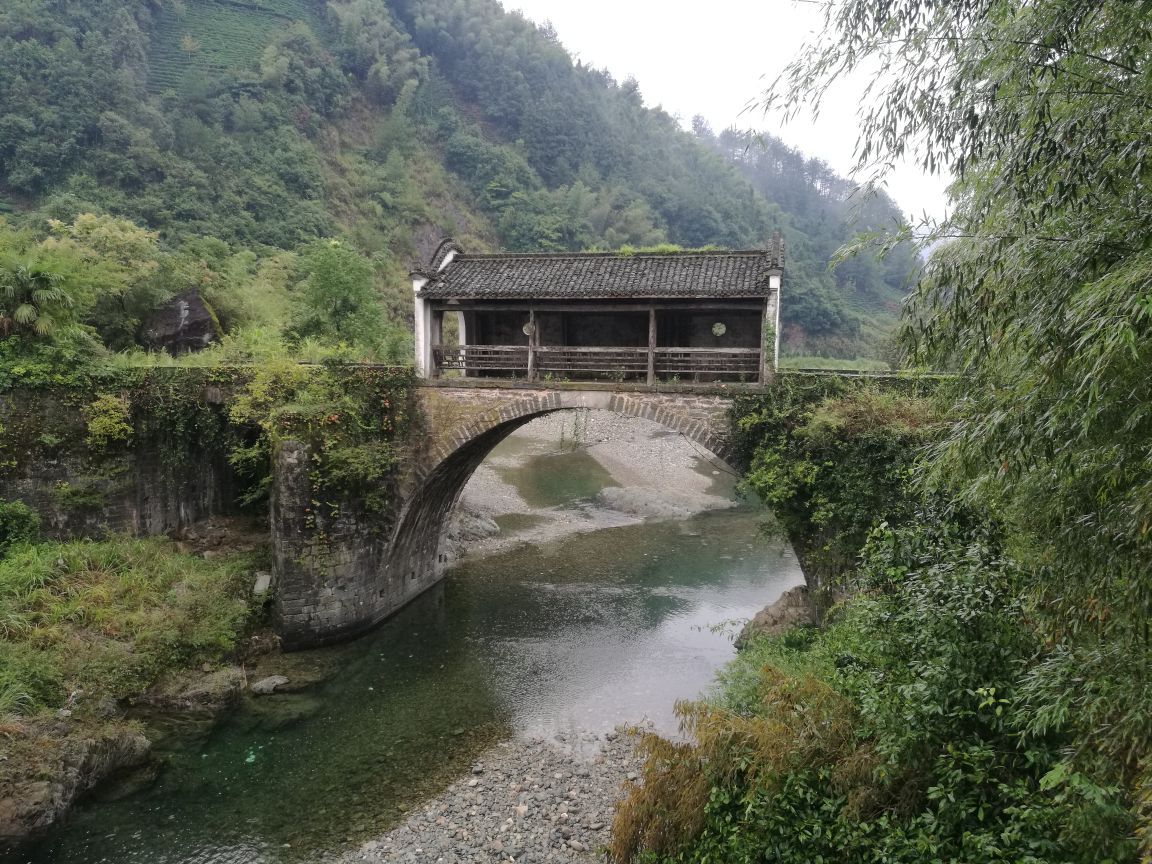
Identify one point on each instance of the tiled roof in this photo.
(610, 275)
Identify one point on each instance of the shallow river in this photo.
(584, 632)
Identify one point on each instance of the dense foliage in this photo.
(1043, 113)
(832, 458)
(900, 733)
(994, 678)
(238, 132)
(89, 287)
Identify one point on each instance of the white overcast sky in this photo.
(713, 59)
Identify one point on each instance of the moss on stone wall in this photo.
(75, 447)
(355, 420)
(141, 451)
(178, 408)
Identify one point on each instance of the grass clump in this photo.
(108, 618)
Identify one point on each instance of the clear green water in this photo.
(584, 632)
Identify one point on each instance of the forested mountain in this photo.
(240, 131)
(860, 299)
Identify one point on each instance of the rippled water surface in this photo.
(583, 632)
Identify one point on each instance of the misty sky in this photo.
(712, 59)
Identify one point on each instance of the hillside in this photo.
(259, 126)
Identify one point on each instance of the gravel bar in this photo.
(525, 801)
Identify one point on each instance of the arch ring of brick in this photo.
(357, 576)
(703, 419)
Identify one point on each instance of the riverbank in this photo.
(93, 630)
(526, 801)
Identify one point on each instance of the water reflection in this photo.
(617, 625)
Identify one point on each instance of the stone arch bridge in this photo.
(341, 577)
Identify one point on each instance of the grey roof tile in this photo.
(607, 275)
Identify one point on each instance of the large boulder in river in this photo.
(793, 609)
(184, 324)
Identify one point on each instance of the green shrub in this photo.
(108, 420)
(19, 523)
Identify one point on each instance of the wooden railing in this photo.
(482, 358)
(709, 364)
(709, 361)
(613, 361)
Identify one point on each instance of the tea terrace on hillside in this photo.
(666, 316)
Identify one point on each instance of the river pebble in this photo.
(529, 802)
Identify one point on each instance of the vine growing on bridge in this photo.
(350, 418)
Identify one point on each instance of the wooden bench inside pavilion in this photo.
(617, 316)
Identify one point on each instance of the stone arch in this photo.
(702, 419)
(456, 453)
(415, 551)
(341, 578)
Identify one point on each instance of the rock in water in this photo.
(205, 693)
(31, 804)
(268, 685)
(792, 609)
(184, 324)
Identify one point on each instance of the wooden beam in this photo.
(765, 372)
(651, 345)
(436, 337)
(532, 345)
(703, 305)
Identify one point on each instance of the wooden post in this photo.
(532, 345)
(462, 333)
(436, 338)
(651, 346)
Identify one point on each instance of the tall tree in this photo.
(340, 302)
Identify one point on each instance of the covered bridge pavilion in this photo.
(663, 316)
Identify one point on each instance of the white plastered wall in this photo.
(423, 315)
(774, 282)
